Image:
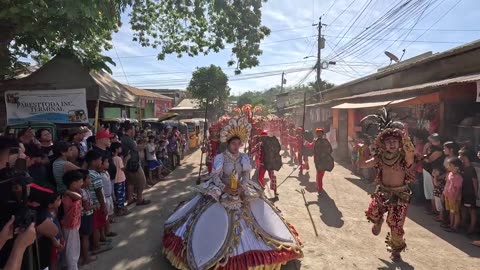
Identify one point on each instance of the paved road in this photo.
(344, 240)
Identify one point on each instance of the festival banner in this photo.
(58, 106)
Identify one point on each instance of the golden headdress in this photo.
(240, 128)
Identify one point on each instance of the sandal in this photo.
(144, 202)
(131, 202)
(476, 243)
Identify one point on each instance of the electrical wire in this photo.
(121, 65)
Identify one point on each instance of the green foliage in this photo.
(84, 28)
(210, 83)
(266, 98)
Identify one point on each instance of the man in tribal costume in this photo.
(322, 156)
(267, 152)
(393, 160)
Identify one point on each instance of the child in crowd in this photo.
(120, 178)
(153, 163)
(163, 154)
(58, 242)
(450, 149)
(439, 174)
(453, 192)
(100, 211)
(469, 190)
(86, 225)
(72, 206)
(108, 195)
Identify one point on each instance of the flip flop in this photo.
(476, 243)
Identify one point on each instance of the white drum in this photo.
(270, 221)
(207, 237)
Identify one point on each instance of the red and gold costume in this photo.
(322, 156)
(292, 143)
(387, 199)
(259, 152)
(302, 158)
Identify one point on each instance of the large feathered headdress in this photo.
(240, 128)
(386, 124)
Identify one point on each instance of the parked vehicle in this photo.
(58, 131)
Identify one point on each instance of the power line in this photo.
(230, 47)
(437, 21)
(341, 13)
(120, 61)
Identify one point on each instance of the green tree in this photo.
(34, 28)
(210, 83)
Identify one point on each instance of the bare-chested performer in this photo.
(393, 159)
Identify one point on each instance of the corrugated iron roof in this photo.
(413, 90)
(146, 93)
(457, 50)
(187, 104)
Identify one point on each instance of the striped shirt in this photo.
(58, 169)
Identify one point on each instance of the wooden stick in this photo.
(302, 191)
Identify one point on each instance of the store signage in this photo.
(58, 106)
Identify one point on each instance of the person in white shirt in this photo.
(152, 161)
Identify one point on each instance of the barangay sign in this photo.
(58, 106)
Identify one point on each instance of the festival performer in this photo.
(302, 157)
(292, 143)
(249, 232)
(322, 156)
(212, 146)
(268, 152)
(393, 159)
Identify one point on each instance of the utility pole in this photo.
(283, 82)
(320, 46)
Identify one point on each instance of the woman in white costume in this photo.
(229, 224)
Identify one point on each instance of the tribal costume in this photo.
(301, 155)
(230, 231)
(260, 152)
(387, 199)
(322, 156)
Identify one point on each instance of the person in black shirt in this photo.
(469, 189)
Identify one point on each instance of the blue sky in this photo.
(446, 24)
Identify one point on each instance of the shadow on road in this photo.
(395, 266)
(417, 215)
(329, 212)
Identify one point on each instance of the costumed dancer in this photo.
(212, 146)
(229, 224)
(292, 141)
(393, 160)
(302, 156)
(268, 152)
(322, 156)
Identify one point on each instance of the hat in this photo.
(78, 130)
(434, 137)
(264, 132)
(319, 130)
(104, 134)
